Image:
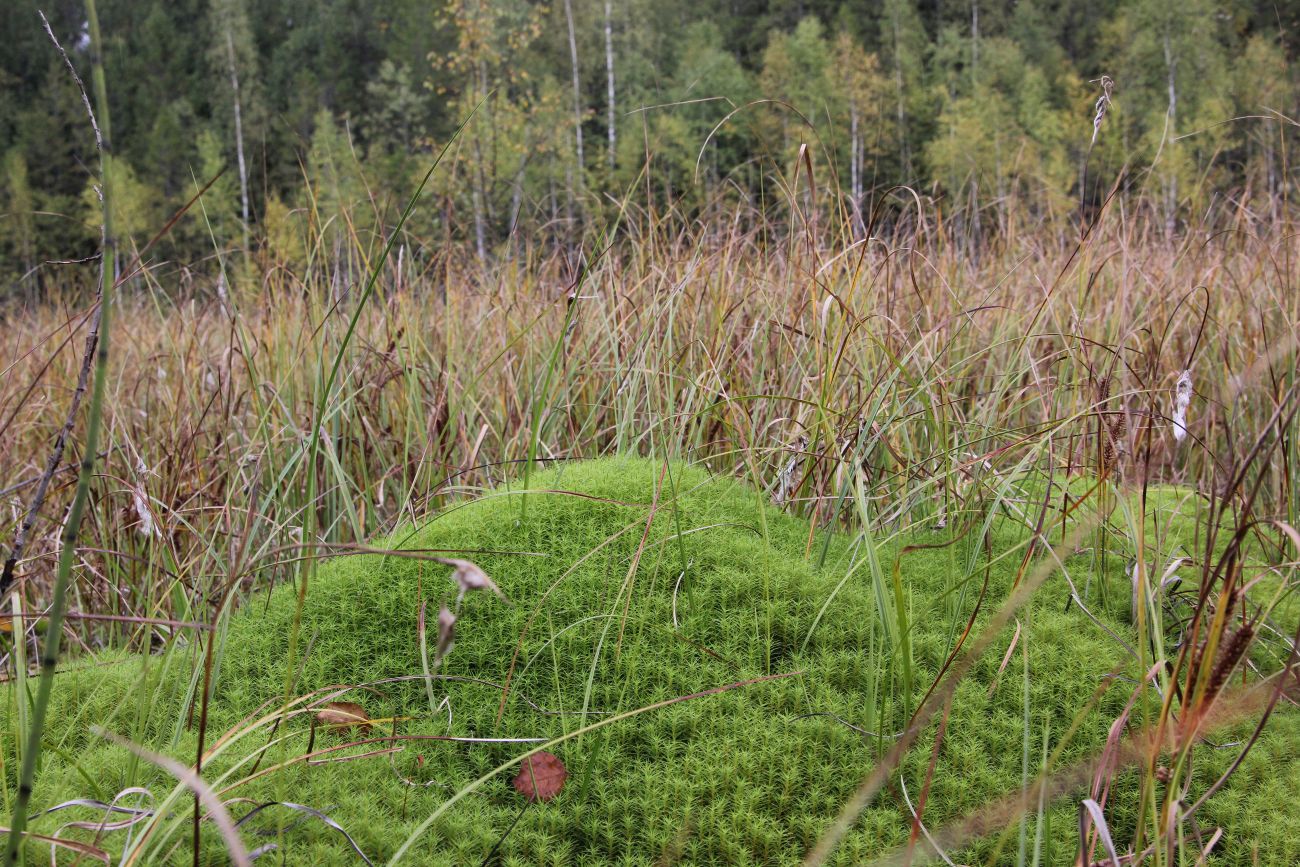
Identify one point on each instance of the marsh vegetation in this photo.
(745, 514)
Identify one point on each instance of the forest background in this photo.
(304, 109)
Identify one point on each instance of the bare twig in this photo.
(81, 87)
(51, 463)
(63, 577)
(83, 376)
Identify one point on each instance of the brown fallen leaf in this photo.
(339, 716)
(541, 777)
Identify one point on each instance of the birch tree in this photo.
(611, 122)
(234, 53)
(577, 92)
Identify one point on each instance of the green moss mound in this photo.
(631, 583)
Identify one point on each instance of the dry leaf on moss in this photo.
(541, 777)
(342, 715)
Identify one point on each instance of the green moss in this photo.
(754, 775)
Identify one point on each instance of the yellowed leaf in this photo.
(342, 715)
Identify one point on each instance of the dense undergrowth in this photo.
(631, 582)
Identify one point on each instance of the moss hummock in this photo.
(642, 582)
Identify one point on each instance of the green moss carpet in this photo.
(636, 585)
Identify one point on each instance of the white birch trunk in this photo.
(239, 135)
(609, 77)
(577, 88)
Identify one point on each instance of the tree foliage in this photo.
(328, 110)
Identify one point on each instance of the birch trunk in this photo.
(239, 135)
(1171, 130)
(577, 89)
(898, 90)
(609, 77)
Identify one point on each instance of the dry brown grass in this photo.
(787, 362)
(713, 348)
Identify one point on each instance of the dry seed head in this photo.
(446, 633)
(140, 499)
(1194, 665)
(1182, 399)
(1113, 428)
(1117, 429)
(1235, 598)
(1103, 390)
(1119, 426)
(146, 525)
(468, 576)
(1228, 659)
(1103, 104)
(785, 477)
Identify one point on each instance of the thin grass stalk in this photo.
(59, 597)
(313, 449)
(557, 350)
